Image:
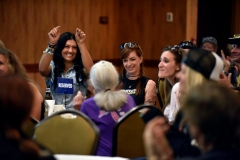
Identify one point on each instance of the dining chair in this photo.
(28, 126)
(68, 132)
(127, 133)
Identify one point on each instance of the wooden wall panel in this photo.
(236, 17)
(191, 18)
(145, 22)
(25, 24)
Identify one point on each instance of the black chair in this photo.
(127, 134)
(68, 132)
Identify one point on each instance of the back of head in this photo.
(211, 40)
(209, 64)
(104, 79)
(16, 99)
(103, 76)
(215, 110)
(210, 44)
(193, 79)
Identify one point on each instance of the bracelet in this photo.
(51, 46)
(49, 50)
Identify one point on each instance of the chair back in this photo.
(28, 127)
(68, 132)
(127, 134)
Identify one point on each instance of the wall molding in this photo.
(33, 68)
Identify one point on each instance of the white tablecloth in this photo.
(84, 157)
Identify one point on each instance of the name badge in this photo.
(64, 85)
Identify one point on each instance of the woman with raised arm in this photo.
(66, 56)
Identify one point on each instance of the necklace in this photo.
(131, 83)
(128, 76)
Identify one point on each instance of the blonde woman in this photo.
(197, 67)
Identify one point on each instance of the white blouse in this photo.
(172, 109)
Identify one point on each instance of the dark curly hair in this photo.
(59, 61)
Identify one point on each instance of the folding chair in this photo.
(68, 132)
(127, 134)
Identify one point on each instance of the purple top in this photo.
(105, 122)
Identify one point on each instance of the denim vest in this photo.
(66, 99)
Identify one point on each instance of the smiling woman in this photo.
(168, 67)
(133, 81)
(66, 56)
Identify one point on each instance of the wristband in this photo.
(51, 46)
(49, 50)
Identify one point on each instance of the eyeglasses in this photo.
(129, 44)
(187, 45)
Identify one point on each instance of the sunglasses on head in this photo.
(187, 45)
(129, 44)
(175, 47)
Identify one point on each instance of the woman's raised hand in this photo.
(80, 35)
(226, 62)
(54, 35)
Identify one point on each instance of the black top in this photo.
(130, 88)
